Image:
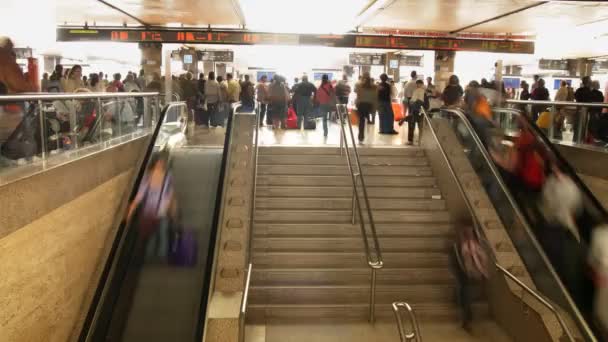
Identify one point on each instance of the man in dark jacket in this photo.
(303, 95)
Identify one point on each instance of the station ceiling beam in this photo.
(124, 12)
(540, 3)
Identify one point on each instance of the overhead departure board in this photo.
(366, 59)
(203, 36)
(553, 64)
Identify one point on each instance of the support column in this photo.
(444, 68)
(151, 58)
(584, 66)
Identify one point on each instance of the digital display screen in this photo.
(393, 63)
(557, 83)
(250, 38)
(318, 76)
(553, 64)
(511, 82)
(187, 59)
(269, 75)
(366, 59)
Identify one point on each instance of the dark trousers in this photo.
(386, 117)
(412, 121)
(464, 295)
(263, 108)
(364, 110)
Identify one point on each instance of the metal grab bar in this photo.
(414, 335)
(373, 264)
(254, 159)
(543, 301)
(560, 103)
(511, 200)
(243, 313)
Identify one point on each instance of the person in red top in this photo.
(326, 98)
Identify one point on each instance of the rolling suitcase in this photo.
(310, 124)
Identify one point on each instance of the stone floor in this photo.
(204, 136)
(485, 331)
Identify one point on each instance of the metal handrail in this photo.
(70, 96)
(538, 297)
(415, 335)
(514, 206)
(373, 264)
(243, 313)
(560, 103)
(254, 158)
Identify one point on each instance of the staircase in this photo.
(309, 260)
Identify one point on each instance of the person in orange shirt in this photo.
(11, 76)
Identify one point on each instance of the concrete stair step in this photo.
(368, 170)
(329, 150)
(344, 216)
(344, 180)
(425, 312)
(338, 160)
(346, 191)
(351, 294)
(349, 276)
(346, 203)
(349, 260)
(350, 244)
(347, 229)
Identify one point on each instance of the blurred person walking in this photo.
(55, 84)
(95, 84)
(116, 85)
(212, 100)
(303, 99)
(414, 116)
(141, 80)
(343, 90)
(326, 98)
(130, 84)
(278, 97)
(408, 89)
(540, 93)
(247, 94)
(366, 102)
(233, 92)
(261, 90)
(385, 108)
(453, 92)
(44, 83)
(525, 93)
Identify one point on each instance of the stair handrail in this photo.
(378, 262)
(538, 297)
(247, 284)
(414, 335)
(511, 200)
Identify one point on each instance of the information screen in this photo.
(249, 38)
(366, 59)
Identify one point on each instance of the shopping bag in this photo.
(354, 118)
(398, 111)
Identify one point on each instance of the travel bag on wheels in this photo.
(310, 124)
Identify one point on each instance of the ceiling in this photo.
(583, 24)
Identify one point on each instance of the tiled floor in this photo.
(485, 331)
(215, 136)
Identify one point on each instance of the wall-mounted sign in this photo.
(553, 64)
(366, 59)
(23, 53)
(187, 59)
(217, 55)
(406, 60)
(203, 36)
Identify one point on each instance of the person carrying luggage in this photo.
(303, 95)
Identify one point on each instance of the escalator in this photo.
(155, 283)
(556, 260)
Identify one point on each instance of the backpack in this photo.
(24, 142)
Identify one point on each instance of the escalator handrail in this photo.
(560, 103)
(111, 264)
(578, 316)
(561, 160)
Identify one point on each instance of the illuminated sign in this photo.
(366, 59)
(251, 38)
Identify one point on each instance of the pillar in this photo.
(151, 58)
(444, 68)
(584, 67)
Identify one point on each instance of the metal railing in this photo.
(377, 263)
(254, 160)
(503, 187)
(581, 115)
(61, 127)
(414, 334)
(538, 297)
